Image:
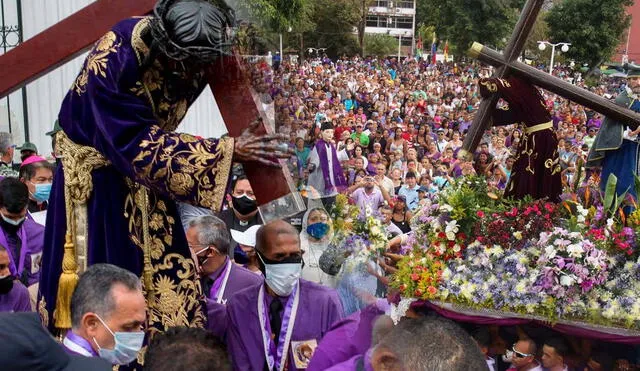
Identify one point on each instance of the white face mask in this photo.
(282, 278)
(126, 348)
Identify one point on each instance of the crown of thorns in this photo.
(163, 41)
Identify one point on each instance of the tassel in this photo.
(66, 285)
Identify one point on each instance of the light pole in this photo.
(542, 45)
(280, 34)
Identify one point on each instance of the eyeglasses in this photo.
(519, 354)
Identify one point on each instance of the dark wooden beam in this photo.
(63, 41)
(556, 85)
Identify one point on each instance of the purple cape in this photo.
(239, 279)
(319, 308)
(346, 339)
(31, 235)
(338, 176)
(16, 300)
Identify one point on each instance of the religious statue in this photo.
(124, 167)
(536, 171)
(326, 177)
(616, 147)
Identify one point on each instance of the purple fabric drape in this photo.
(563, 328)
(338, 176)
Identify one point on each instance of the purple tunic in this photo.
(239, 279)
(319, 308)
(25, 251)
(355, 363)
(346, 339)
(17, 300)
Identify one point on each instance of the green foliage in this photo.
(464, 21)
(593, 27)
(277, 15)
(335, 21)
(380, 45)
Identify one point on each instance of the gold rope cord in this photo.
(78, 162)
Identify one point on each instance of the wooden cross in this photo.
(507, 63)
(77, 33)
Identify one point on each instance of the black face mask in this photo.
(262, 260)
(244, 205)
(10, 228)
(6, 284)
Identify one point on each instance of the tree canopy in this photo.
(593, 27)
(464, 21)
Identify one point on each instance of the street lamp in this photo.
(564, 47)
(316, 50)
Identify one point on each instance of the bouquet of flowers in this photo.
(569, 264)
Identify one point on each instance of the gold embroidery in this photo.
(97, 60)
(185, 166)
(171, 302)
(491, 86)
(504, 83)
(42, 310)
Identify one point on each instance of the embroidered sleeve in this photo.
(101, 111)
(186, 167)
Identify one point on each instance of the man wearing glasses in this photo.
(523, 356)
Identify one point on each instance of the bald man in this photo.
(274, 324)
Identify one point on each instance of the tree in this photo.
(464, 21)
(335, 21)
(276, 15)
(593, 27)
(380, 45)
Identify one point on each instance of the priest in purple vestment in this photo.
(278, 324)
(108, 313)
(14, 296)
(113, 200)
(220, 278)
(21, 236)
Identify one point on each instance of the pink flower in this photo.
(480, 214)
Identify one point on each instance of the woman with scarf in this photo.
(315, 237)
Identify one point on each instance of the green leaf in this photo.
(610, 191)
(636, 181)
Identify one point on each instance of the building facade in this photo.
(629, 49)
(395, 18)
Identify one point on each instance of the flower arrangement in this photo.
(576, 259)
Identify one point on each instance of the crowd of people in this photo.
(397, 128)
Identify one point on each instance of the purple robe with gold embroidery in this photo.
(128, 116)
(536, 170)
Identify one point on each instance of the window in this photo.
(404, 22)
(382, 3)
(405, 4)
(372, 21)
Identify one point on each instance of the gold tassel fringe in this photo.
(66, 285)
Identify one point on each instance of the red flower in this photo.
(418, 293)
(415, 276)
(432, 290)
(480, 214)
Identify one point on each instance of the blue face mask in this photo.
(42, 192)
(126, 349)
(318, 230)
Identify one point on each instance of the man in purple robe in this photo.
(108, 313)
(278, 324)
(124, 167)
(325, 174)
(22, 236)
(14, 297)
(220, 278)
(346, 339)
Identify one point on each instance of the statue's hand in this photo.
(265, 149)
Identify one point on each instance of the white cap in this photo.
(246, 238)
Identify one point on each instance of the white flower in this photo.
(550, 252)
(451, 229)
(575, 250)
(517, 235)
(446, 208)
(567, 280)
(609, 223)
(456, 248)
